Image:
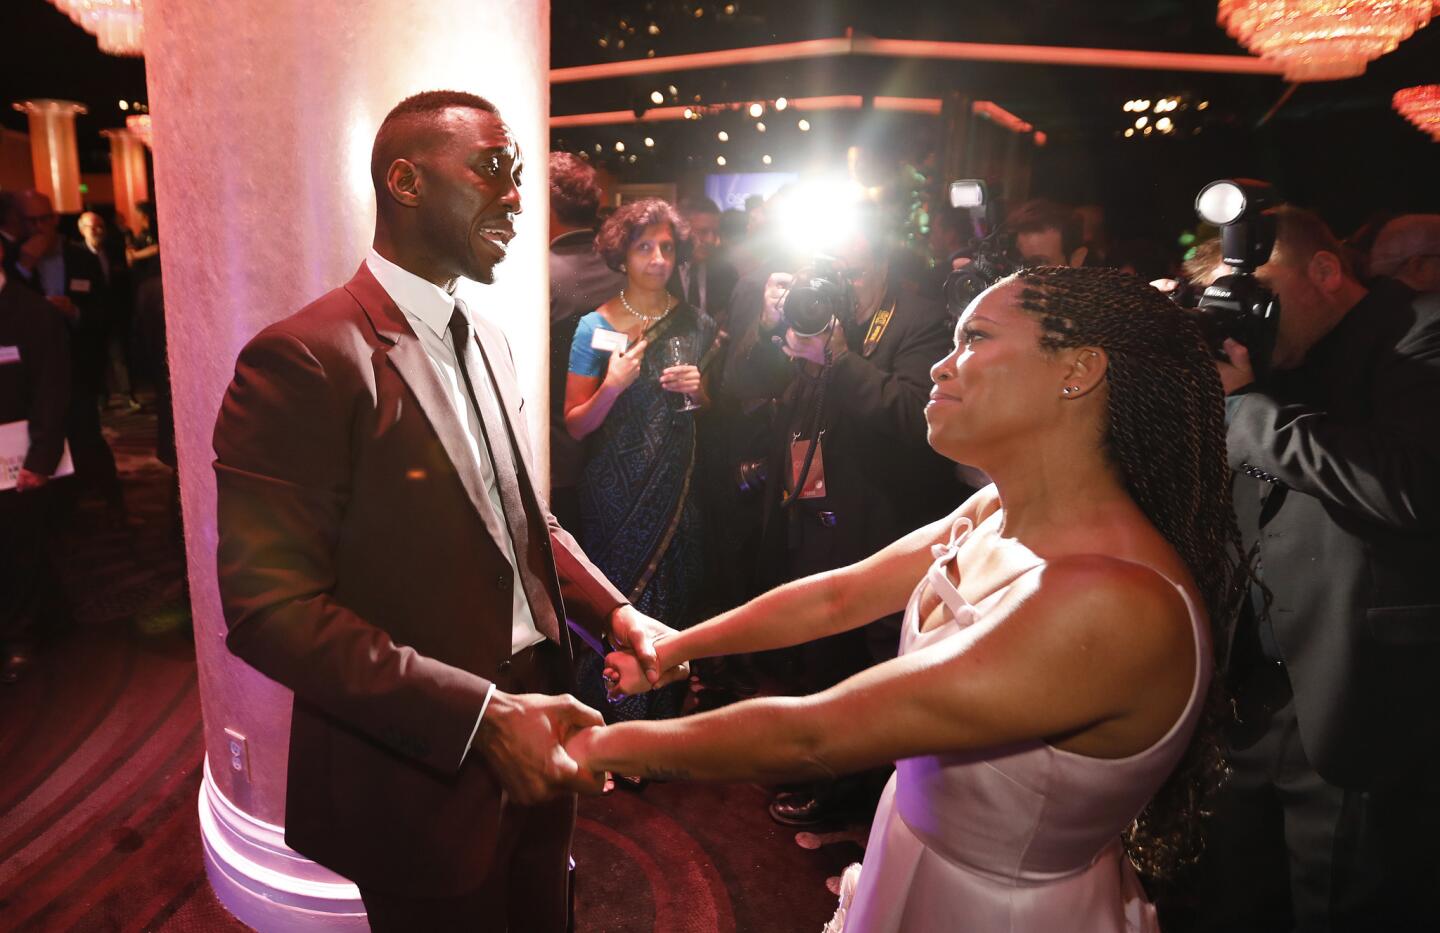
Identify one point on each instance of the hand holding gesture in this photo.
(522, 737)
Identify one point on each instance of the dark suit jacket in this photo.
(85, 287)
(359, 566)
(37, 389)
(1338, 483)
(883, 479)
(720, 281)
(580, 282)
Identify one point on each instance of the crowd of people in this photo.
(83, 316)
(1086, 613)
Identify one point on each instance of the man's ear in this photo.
(1325, 271)
(403, 182)
(1085, 372)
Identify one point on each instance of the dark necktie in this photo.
(522, 511)
(694, 295)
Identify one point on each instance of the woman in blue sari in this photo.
(632, 375)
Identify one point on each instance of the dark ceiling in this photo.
(1324, 132)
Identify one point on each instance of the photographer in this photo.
(856, 393)
(1336, 453)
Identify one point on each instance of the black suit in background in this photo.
(883, 480)
(580, 282)
(719, 278)
(1338, 486)
(84, 285)
(35, 389)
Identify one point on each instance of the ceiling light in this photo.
(649, 143)
(723, 136)
(781, 103)
(760, 127)
(719, 160)
(757, 109)
(766, 159)
(656, 97)
(804, 126)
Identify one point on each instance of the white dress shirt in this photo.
(428, 308)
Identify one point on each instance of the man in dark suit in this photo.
(705, 280)
(35, 389)
(580, 282)
(1330, 817)
(858, 391)
(385, 554)
(70, 276)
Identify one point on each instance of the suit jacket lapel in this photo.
(409, 358)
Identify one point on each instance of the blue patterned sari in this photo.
(639, 512)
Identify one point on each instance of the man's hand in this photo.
(1237, 373)
(812, 349)
(27, 481)
(522, 737)
(636, 633)
(65, 307)
(775, 288)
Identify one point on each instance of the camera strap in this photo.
(878, 323)
(802, 488)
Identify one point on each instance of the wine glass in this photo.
(677, 353)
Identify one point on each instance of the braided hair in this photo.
(1165, 433)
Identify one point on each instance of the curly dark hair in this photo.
(622, 228)
(1165, 433)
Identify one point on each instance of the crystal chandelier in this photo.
(117, 25)
(1421, 106)
(1322, 40)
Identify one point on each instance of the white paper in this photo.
(14, 445)
(612, 341)
(9, 355)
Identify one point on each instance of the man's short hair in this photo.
(1402, 239)
(410, 117)
(1199, 269)
(574, 193)
(1039, 214)
(1300, 234)
(698, 205)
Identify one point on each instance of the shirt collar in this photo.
(428, 302)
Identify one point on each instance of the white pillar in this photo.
(53, 151)
(263, 118)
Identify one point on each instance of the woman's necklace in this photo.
(648, 318)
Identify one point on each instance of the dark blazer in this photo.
(580, 282)
(1338, 482)
(720, 281)
(360, 566)
(85, 287)
(883, 478)
(36, 389)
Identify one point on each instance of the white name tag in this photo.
(80, 286)
(612, 341)
(9, 355)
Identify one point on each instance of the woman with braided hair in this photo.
(1047, 711)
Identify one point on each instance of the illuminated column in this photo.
(127, 168)
(262, 127)
(53, 150)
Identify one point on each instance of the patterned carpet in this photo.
(100, 752)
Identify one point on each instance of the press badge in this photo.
(80, 286)
(814, 487)
(609, 341)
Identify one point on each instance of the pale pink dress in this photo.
(1018, 839)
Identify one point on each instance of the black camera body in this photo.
(992, 254)
(1237, 306)
(820, 295)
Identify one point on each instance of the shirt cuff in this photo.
(476, 731)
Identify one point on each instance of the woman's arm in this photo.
(814, 607)
(1092, 646)
(588, 399)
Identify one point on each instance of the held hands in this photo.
(635, 635)
(624, 366)
(522, 737)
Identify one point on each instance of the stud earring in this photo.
(1069, 390)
